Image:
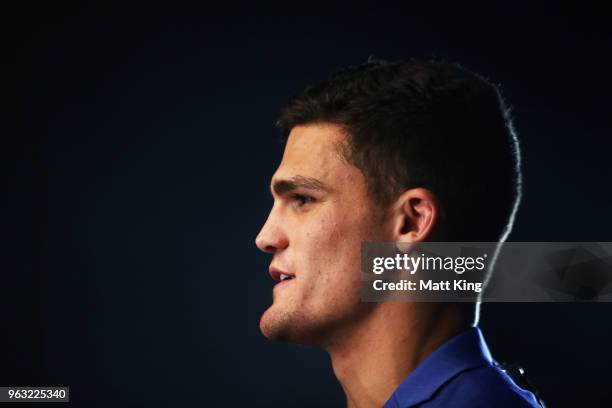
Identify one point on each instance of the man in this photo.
(390, 152)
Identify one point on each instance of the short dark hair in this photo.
(423, 124)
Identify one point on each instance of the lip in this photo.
(275, 273)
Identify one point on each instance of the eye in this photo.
(301, 199)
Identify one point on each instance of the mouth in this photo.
(280, 276)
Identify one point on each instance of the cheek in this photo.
(335, 248)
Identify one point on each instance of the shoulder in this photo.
(480, 387)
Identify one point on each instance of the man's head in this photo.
(390, 152)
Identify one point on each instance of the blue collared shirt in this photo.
(460, 373)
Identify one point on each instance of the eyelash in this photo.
(302, 199)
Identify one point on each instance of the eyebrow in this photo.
(283, 186)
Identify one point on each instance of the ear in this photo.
(415, 216)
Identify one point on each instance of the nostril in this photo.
(269, 248)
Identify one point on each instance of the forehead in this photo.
(313, 151)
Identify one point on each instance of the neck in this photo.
(374, 356)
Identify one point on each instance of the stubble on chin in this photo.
(289, 326)
(297, 328)
(278, 325)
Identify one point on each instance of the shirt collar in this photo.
(464, 351)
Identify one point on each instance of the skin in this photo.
(321, 214)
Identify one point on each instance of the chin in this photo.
(278, 327)
(292, 327)
(286, 327)
(266, 327)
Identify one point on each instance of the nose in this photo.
(272, 237)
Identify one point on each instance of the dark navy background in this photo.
(131, 273)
